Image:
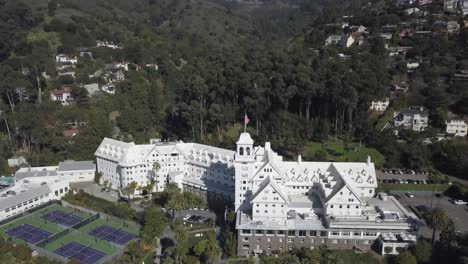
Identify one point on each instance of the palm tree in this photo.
(156, 168)
(177, 202)
(181, 236)
(437, 220)
(130, 189)
(148, 244)
(449, 235)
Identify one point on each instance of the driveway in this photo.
(96, 190)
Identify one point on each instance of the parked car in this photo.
(410, 195)
(459, 202)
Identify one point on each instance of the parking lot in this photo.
(401, 174)
(458, 213)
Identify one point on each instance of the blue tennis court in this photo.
(28, 233)
(63, 218)
(112, 234)
(86, 255)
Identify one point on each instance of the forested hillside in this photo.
(216, 60)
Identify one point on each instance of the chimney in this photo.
(368, 160)
(267, 146)
(299, 159)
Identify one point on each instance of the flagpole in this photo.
(245, 125)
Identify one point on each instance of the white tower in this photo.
(244, 168)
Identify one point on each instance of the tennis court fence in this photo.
(127, 223)
(47, 253)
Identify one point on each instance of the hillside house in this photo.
(62, 95)
(415, 118)
(457, 128)
(380, 106)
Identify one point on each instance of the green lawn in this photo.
(413, 187)
(336, 151)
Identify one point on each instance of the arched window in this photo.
(241, 151)
(248, 151)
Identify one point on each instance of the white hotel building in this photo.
(279, 204)
(190, 165)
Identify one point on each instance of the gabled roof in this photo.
(269, 182)
(340, 186)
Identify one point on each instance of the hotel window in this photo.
(366, 242)
(270, 232)
(345, 233)
(357, 234)
(347, 206)
(245, 239)
(335, 241)
(289, 240)
(245, 231)
(280, 232)
(323, 233)
(302, 233)
(341, 206)
(259, 232)
(357, 206)
(335, 233)
(245, 246)
(313, 233)
(331, 206)
(291, 233)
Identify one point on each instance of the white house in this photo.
(456, 128)
(414, 118)
(332, 39)
(65, 59)
(17, 161)
(62, 95)
(107, 44)
(30, 192)
(380, 106)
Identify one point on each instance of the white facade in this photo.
(456, 127)
(30, 192)
(380, 106)
(76, 171)
(190, 164)
(107, 44)
(63, 96)
(414, 118)
(285, 204)
(62, 58)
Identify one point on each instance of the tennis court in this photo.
(112, 234)
(28, 233)
(63, 218)
(73, 250)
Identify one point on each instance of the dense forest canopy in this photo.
(217, 60)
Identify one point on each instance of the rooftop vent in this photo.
(43, 183)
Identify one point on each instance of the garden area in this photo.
(341, 150)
